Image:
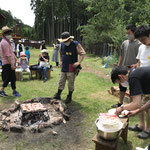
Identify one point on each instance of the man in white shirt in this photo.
(143, 57)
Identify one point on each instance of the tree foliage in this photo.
(52, 17)
(27, 31)
(107, 25)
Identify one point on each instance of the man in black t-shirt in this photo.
(139, 84)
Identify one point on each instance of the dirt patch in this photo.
(99, 73)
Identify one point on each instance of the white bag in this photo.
(44, 64)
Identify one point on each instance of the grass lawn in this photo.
(89, 99)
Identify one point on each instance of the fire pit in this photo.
(33, 115)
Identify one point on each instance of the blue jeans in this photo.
(44, 70)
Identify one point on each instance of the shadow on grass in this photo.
(124, 146)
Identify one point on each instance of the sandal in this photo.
(135, 128)
(144, 135)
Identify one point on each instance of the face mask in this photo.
(67, 43)
(125, 84)
(129, 36)
(8, 37)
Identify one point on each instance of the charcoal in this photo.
(33, 129)
(66, 116)
(6, 112)
(5, 127)
(16, 128)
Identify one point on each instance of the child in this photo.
(27, 52)
(24, 65)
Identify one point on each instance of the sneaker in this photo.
(3, 94)
(16, 94)
(139, 148)
(135, 128)
(116, 105)
(45, 80)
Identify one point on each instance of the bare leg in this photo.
(147, 120)
(122, 94)
(141, 118)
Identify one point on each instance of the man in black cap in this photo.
(69, 52)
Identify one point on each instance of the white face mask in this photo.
(129, 36)
(67, 43)
(8, 37)
(125, 84)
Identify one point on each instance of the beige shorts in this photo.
(70, 77)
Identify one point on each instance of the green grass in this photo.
(90, 98)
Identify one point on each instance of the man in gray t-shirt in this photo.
(127, 56)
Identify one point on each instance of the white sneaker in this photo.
(138, 148)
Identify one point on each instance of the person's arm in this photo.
(81, 53)
(119, 61)
(143, 108)
(46, 60)
(135, 104)
(136, 65)
(54, 46)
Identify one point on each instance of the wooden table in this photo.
(102, 144)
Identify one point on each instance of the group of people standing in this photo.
(133, 72)
(70, 63)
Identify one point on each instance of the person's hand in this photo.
(76, 64)
(60, 64)
(118, 111)
(13, 67)
(133, 66)
(133, 112)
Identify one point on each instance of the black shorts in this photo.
(122, 89)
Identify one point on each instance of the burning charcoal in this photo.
(66, 116)
(6, 112)
(16, 128)
(56, 120)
